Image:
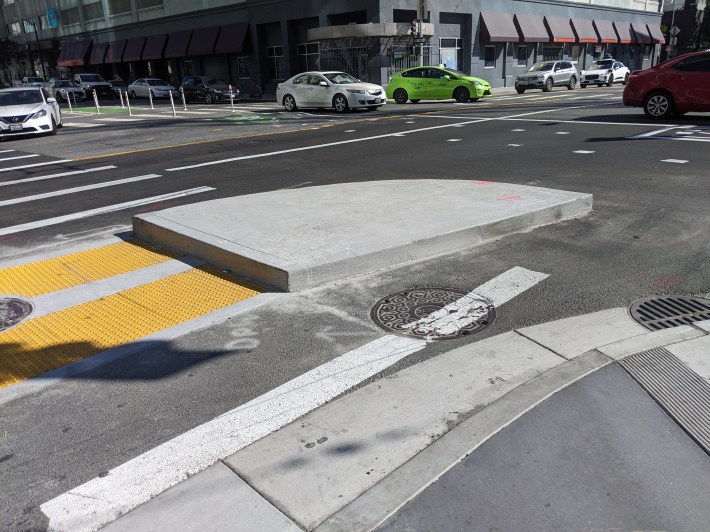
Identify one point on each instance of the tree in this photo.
(9, 52)
(703, 37)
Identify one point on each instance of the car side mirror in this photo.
(323, 84)
(51, 100)
(447, 77)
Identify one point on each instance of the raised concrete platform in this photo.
(297, 239)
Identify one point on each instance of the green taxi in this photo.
(436, 83)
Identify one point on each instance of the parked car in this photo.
(157, 88)
(547, 74)
(93, 82)
(208, 90)
(33, 81)
(676, 86)
(28, 111)
(64, 89)
(118, 86)
(604, 72)
(326, 89)
(436, 83)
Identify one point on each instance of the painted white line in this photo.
(453, 140)
(654, 132)
(517, 130)
(77, 189)
(584, 152)
(19, 157)
(347, 130)
(81, 124)
(100, 210)
(114, 119)
(514, 145)
(677, 161)
(103, 499)
(410, 122)
(35, 165)
(51, 176)
(561, 132)
(6, 151)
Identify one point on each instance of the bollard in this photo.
(231, 97)
(150, 97)
(69, 101)
(172, 104)
(184, 103)
(96, 101)
(128, 103)
(120, 95)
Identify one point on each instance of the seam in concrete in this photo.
(542, 345)
(384, 499)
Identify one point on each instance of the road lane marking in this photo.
(584, 152)
(101, 210)
(51, 176)
(78, 189)
(677, 161)
(103, 499)
(19, 157)
(35, 165)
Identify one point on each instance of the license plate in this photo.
(15, 127)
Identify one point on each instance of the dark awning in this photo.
(560, 29)
(584, 29)
(98, 52)
(498, 27)
(154, 46)
(643, 36)
(531, 27)
(606, 32)
(134, 49)
(177, 43)
(74, 53)
(231, 38)
(656, 34)
(203, 41)
(115, 51)
(623, 29)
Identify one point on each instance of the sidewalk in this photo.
(352, 463)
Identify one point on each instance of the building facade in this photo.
(270, 40)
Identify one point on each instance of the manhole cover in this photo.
(433, 313)
(13, 310)
(665, 312)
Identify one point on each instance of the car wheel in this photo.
(340, 103)
(549, 83)
(461, 95)
(626, 79)
(610, 81)
(133, 95)
(415, 101)
(53, 130)
(572, 83)
(520, 90)
(289, 103)
(658, 105)
(209, 99)
(400, 96)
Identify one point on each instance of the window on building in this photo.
(647, 52)
(489, 57)
(551, 53)
(451, 52)
(243, 68)
(148, 4)
(309, 56)
(575, 52)
(93, 11)
(29, 26)
(14, 29)
(7, 2)
(275, 57)
(522, 56)
(44, 22)
(70, 16)
(118, 7)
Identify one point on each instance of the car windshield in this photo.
(340, 78)
(602, 65)
(91, 77)
(34, 80)
(160, 82)
(541, 67)
(20, 97)
(456, 72)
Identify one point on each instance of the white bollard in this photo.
(96, 101)
(231, 97)
(150, 97)
(69, 95)
(128, 103)
(120, 95)
(172, 104)
(184, 103)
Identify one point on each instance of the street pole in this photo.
(420, 35)
(671, 37)
(39, 49)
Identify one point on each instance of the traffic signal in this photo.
(413, 28)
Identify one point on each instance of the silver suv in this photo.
(546, 75)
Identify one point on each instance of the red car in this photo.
(676, 86)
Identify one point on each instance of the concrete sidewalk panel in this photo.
(315, 466)
(214, 499)
(695, 354)
(300, 238)
(652, 339)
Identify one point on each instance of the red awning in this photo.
(531, 27)
(177, 43)
(605, 29)
(584, 30)
(74, 53)
(134, 49)
(231, 38)
(115, 51)
(98, 52)
(643, 36)
(498, 27)
(560, 29)
(656, 34)
(623, 29)
(203, 41)
(154, 47)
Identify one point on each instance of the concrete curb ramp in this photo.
(297, 239)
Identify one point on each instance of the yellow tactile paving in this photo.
(48, 342)
(47, 276)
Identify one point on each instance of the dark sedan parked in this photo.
(676, 86)
(208, 90)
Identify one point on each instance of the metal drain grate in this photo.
(13, 310)
(433, 313)
(666, 312)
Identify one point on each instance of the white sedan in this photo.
(157, 88)
(28, 111)
(338, 90)
(604, 72)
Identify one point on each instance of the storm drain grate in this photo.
(666, 312)
(433, 313)
(683, 394)
(13, 310)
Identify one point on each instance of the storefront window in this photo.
(522, 56)
(275, 56)
(490, 56)
(309, 56)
